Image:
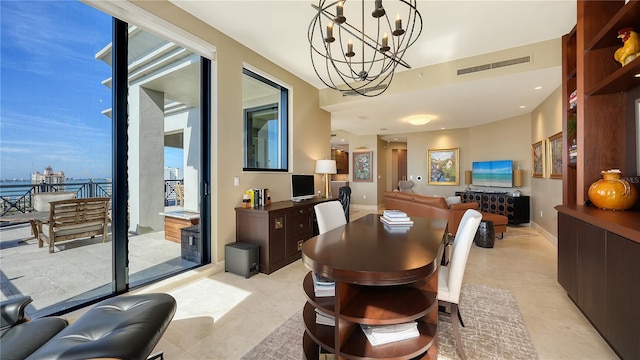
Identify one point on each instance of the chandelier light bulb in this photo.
(330, 37)
(340, 13)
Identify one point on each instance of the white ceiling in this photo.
(452, 30)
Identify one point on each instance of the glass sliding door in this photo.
(55, 143)
(164, 153)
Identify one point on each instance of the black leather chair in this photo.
(19, 336)
(123, 327)
(344, 195)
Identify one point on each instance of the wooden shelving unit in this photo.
(379, 283)
(599, 250)
(606, 95)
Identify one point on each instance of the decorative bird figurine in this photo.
(631, 48)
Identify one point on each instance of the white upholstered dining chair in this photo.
(450, 276)
(330, 215)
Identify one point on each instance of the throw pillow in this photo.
(453, 200)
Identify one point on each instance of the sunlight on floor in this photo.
(202, 303)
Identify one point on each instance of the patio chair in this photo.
(179, 189)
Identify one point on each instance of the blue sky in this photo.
(51, 96)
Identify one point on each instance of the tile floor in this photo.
(222, 316)
(78, 269)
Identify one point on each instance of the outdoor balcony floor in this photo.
(78, 269)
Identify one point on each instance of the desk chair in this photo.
(450, 276)
(330, 215)
(345, 199)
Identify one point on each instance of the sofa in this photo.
(437, 207)
(122, 327)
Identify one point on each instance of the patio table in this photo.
(31, 217)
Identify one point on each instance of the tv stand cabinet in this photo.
(279, 229)
(516, 208)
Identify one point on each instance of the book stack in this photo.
(384, 334)
(573, 99)
(323, 318)
(258, 197)
(573, 152)
(396, 221)
(323, 286)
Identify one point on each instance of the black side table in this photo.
(486, 235)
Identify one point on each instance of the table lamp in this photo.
(518, 181)
(326, 167)
(467, 179)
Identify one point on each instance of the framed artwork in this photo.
(537, 153)
(363, 166)
(444, 166)
(555, 156)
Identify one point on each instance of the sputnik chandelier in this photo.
(357, 53)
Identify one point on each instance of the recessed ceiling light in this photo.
(442, 128)
(522, 106)
(537, 88)
(419, 120)
(637, 75)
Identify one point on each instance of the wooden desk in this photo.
(278, 229)
(382, 277)
(31, 217)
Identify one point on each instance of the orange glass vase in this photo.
(611, 192)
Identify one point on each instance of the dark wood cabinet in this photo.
(623, 300)
(592, 289)
(599, 250)
(599, 266)
(279, 229)
(568, 254)
(516, 208)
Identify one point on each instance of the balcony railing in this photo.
(16, 198)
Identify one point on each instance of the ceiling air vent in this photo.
(364, 91)
(495, 65)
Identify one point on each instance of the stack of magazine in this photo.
(396, 221)
(323, 286)
(323, 318)
(384, 334)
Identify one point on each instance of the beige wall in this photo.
(311, 126)
(418, 145)
(364, 194)
(508, 139)
(546, 120)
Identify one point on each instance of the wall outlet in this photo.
(364, 196)
(540, 213)
(236, 181)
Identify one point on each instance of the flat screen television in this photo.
(302, 187)
(497, 173)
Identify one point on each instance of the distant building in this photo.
(48, 177)
(171, 173)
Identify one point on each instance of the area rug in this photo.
(494, 330)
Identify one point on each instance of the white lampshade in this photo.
(326, 167)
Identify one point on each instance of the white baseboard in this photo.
(545, 234)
